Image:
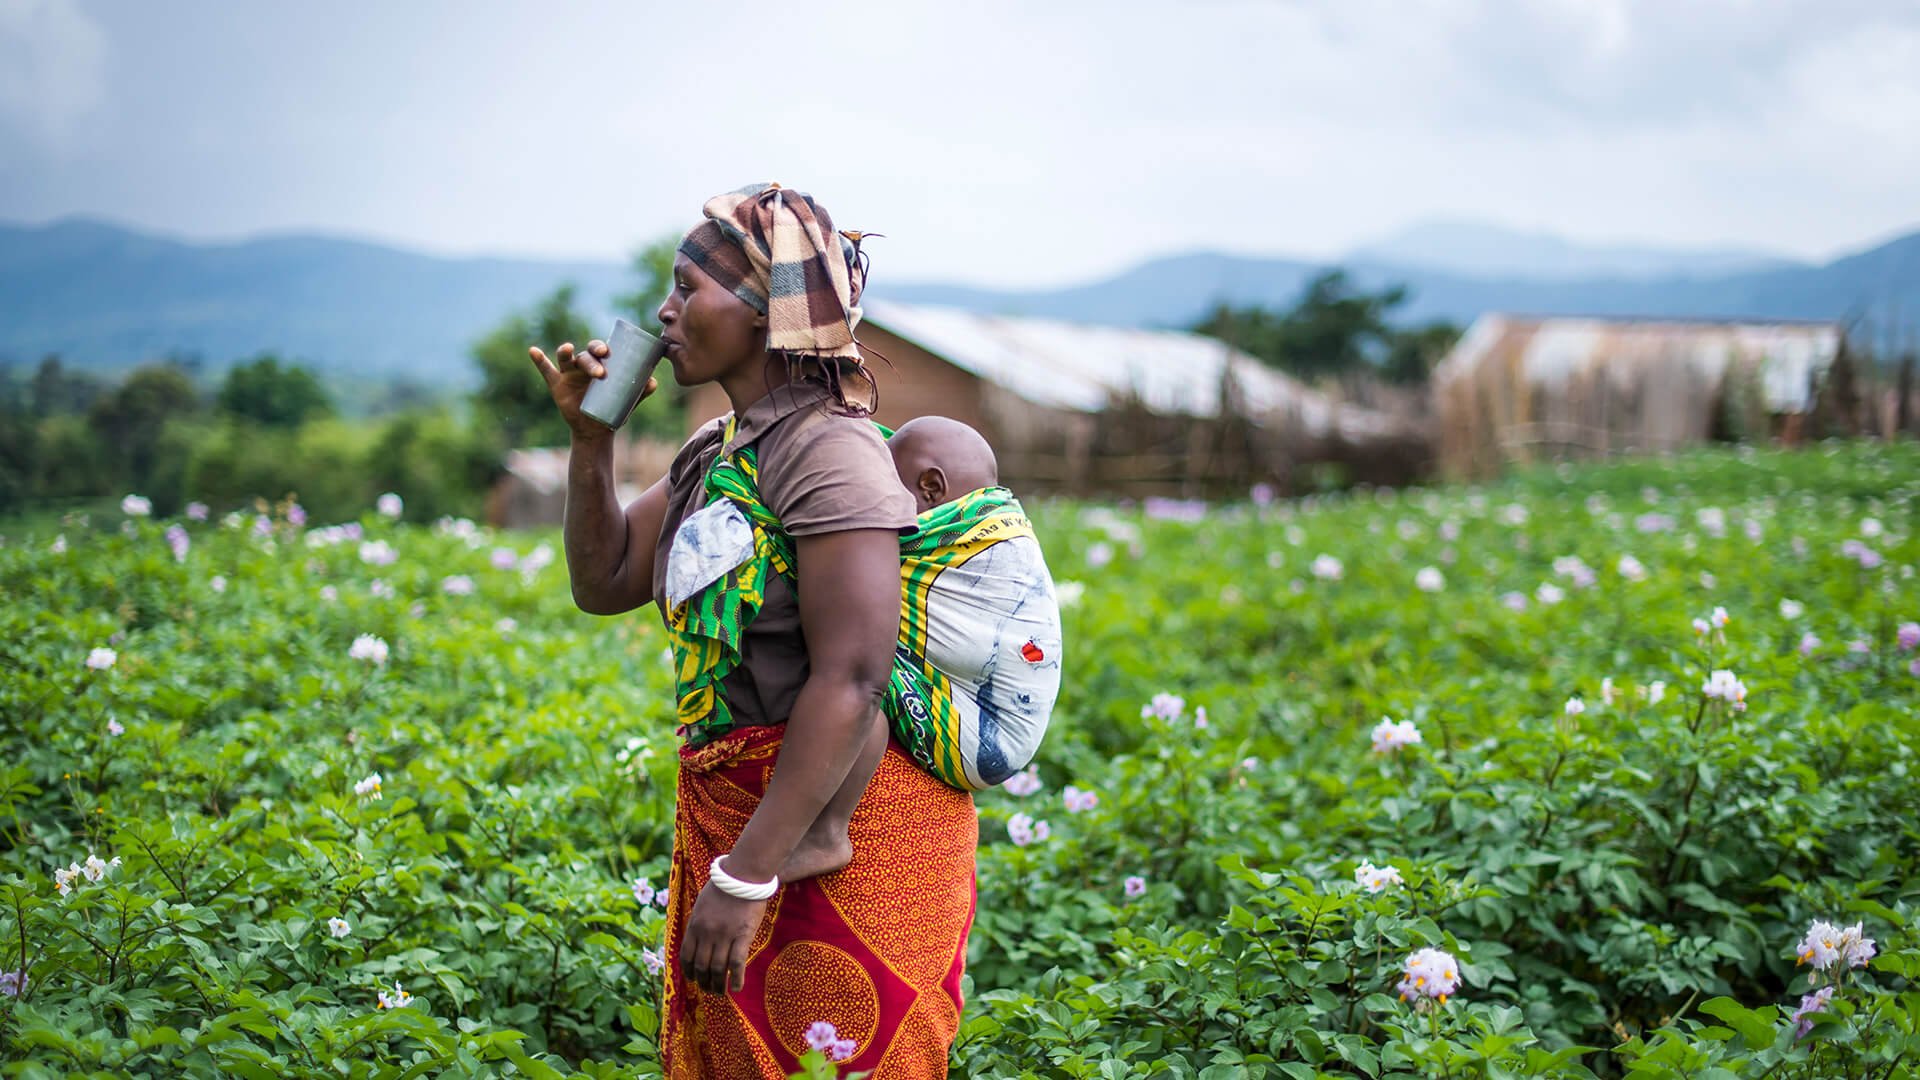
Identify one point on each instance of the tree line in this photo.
(1335, 329)
(269, 427)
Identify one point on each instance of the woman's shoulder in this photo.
(704, 441)
(822, 471)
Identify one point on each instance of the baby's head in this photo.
(941, 459)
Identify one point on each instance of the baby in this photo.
(938, 460)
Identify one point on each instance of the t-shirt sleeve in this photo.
(703, 440)
(835, 475)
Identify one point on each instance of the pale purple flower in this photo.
(1023, 783)
(338, 927)
(1549, 593)
(1908, 636)
(505, 558)
(1575, 707)
(417, 609)
(1515, 601)
(177, 541)
(1262, 494)
(1792, 609)
(399, 999)
(1815, 1002)
(537, 560)
(1430, 975)
(821, 1035)
(378, 553)
(329, 594)
(100, 659)
(1723, 686)
(1513, 514)
(196, 511)
(115, 728)
(218, 583)
(1429, 579)
(506, 624)
(1068, 593)
(296, 515)
(1200, 717)
(1389, 737)
(1754, 532)
(59, 545)
(1654, 692)
(262, 525)
(1164, 509)
(1575, 570)
(643, 891)
(1099, 554)
(1653, 522)
(1856, 948)
(136, 506)
(1449, 530)
(369, 648)
(1078, 801)
(1822, 947)
(655, 962)
(388, 505)
(1134, 887)
(1713, 520)
(1632, 569)
(379, 588)
(1375, 878)
(1328, 568)
(1913, 669)
(1022, 829)
(369, 788)
(1871, 528)
(1608, 692)
(1164, 706)
(1808, 643)
(13, 983)
(457, 585)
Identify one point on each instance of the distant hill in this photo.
(1473, 249)
(1883, 283)
(107, 297)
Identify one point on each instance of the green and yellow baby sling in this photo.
(706, 630)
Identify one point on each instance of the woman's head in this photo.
(765, 275)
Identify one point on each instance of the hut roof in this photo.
(1788, 356)
(1086, 369)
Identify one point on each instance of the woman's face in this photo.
(710, 333)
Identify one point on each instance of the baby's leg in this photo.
(826, 848)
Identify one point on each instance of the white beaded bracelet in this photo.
(733, 886)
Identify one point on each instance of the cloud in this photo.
(52, 68)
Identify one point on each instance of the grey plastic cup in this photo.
(632, 354)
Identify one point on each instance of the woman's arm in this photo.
(609, 553)
(849, 593)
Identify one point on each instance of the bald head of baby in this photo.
(940, 459)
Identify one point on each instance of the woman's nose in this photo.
(667, 311)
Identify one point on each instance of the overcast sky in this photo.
(998, 143)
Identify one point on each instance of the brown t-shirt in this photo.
(820, 472)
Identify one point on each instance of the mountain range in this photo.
(107, 296)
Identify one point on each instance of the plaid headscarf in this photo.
(776, 249)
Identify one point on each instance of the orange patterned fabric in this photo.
(876, 948)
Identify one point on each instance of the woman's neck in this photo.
(753, 382)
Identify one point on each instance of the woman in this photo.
(764, 302)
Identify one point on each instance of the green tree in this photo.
(513, 403)
(652, 268)
(1414, 352)
(267, 393)
(130, 422)
(57, 390)
(1334, 328)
